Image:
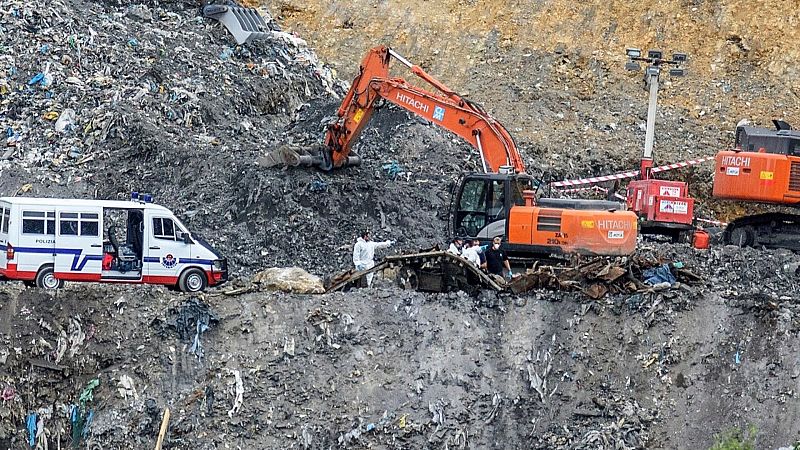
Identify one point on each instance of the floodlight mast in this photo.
(655, 60)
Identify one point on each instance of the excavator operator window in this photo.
(471, 215)
(794, 147)
(497, 209)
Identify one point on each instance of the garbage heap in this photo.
(98, 100)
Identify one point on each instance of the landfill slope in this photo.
(396, 369)
(101, 98)
(118, 99)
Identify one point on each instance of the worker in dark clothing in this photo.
(497, 260)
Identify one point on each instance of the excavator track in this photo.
(770, 230)
(432, 271)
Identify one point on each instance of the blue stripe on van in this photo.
(77, 263)
(195, 261)
(155, 259)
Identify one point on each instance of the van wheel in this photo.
(193, 280)
(46, 279)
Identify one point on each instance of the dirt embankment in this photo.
(397, 369)
(552, 71)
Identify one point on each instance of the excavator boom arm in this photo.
(444, 108)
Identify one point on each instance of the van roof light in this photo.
(134, 195)
(147, 198)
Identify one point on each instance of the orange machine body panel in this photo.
(661, 201)
(574, 231)
(757, 177)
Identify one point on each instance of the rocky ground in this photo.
(101, 98)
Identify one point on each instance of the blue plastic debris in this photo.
(87, 423)
(370, 426)
(31, 423)
(737, 358)
(44, 49)
(318, 186)
(133, 42)
(392, 169)
(660, 274)
(38, 78)
(226, 54)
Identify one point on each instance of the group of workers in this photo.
(492, 259)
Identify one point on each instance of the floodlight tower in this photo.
(664, 207)
(654, 60)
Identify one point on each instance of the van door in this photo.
(165, 253)
(5, 215)
(35, 238)
(79, 243)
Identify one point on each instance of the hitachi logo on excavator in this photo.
(412, 102)
(739, 161)
(608, 224)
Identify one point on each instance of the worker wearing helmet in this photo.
(364, 254)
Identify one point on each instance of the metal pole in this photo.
(480, 150)
(647, 157)
(400, 58)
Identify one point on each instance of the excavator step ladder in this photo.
(245, 24)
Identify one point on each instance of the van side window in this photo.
(6, 217)
(163, 228)
(34, 222)
(69, 224)
(90, 224)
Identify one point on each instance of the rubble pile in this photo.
(101, 100)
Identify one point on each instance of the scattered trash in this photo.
(191, 319)
(66, 121)
(238, 392)
(126, 388)
(81, 416)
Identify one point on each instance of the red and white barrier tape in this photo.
(629, 174)
(688, 163)
(583, 189)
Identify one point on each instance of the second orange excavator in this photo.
(763, 167)
(499, 202)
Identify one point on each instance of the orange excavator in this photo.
(499, 202)
(764, 167)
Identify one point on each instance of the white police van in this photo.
(46, 241)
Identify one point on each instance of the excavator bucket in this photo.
(245, 24)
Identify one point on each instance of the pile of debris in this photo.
(98, 100)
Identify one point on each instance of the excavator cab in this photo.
(505, 204)
(483, 201)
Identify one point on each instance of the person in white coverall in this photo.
(455, 246)
(364, 254)
(473, 253)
